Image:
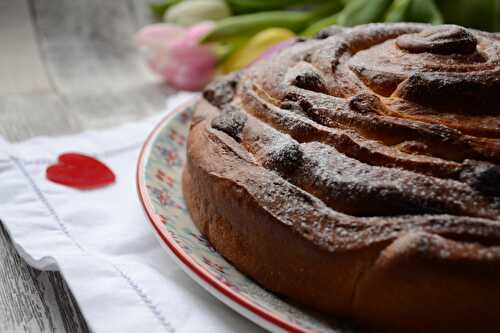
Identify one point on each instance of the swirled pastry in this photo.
(358, 173)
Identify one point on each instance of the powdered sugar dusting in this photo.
(334, 162)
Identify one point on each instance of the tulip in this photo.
(176, 55)
(187, 13)
(274, 49)
(255, 47)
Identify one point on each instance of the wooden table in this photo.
(65, 66)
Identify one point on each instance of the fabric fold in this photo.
(121, 277)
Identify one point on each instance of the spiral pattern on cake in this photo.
(382, 139)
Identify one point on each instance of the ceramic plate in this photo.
(159, 186)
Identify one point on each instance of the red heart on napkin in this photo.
(80, 171)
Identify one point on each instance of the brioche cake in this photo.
(358, 173)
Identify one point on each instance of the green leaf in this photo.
(159, 8)
(248, 24)
(478, 14)
(363, 11)
(249, 6)
(414, 11)
(320, 25)
(397, 11)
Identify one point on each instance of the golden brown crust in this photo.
(358, 173)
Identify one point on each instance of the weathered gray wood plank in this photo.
(20, 112)
(88, 45)
(21, 69)
(141, 11)
(112, 108)
(94, 78)
(29, 297)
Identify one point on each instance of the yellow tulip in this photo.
(255, 46)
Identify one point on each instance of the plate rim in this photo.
(184, 260)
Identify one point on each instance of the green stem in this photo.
(332, 6)
(159, 8)
(320, 25)
(245, 25)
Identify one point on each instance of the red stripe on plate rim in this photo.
(180, 253)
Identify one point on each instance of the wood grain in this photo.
(26, 115)
(88, 46)
(34, 301)
(70, 66)
(19, 50)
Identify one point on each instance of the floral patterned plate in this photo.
(159, 186)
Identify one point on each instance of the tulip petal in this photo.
(255, 47)
(191, 67)
(158, 33)
(274, 49)
(198, 31)
(174, 53)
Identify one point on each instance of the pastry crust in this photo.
(357, 173)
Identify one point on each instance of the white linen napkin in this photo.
(121, 277)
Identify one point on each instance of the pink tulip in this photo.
(174, 53)
(274, 49)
